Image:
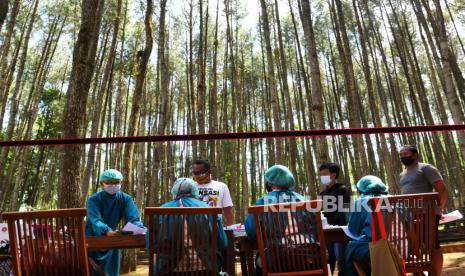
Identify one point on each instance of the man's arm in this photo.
(227, 205)
(440, 187)
(95, 218)
(433, 176)
(228, 215)
(131, 213)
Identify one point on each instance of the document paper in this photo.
(136, 230)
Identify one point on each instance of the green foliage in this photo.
(49, 121)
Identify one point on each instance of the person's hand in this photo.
(442, 214)
(112, 233)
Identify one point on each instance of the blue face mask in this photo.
(112, 189)
(325, 180)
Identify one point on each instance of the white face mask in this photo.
(325, 179)
(112, 189)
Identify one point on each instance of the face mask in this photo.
(202, 179)
(325, 179)
(112, 189)
(407, 161)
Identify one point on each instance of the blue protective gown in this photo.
(279, 230)
(175, 229)
(104, 212)
(274, 197)
(360, 226)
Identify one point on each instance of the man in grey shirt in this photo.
(423, 178)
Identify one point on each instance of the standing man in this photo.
(105, 209)
(214, 193)
(333, 193)
(423, 178)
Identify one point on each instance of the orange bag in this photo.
(385, 259)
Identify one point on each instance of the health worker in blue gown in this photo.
(185, 191)
(360, 223)
(105, 209)
(279, 184)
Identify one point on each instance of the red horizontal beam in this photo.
(233, 136)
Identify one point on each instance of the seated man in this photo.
(279, 183)
(185, 191)
(105, 209)
(334, 192)
(360, 222)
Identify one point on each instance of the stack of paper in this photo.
(4, 232)
(238, 229)
(452, 216)
(330, 226)
(136, 230)
(349, 234)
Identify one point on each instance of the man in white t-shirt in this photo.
(214, 193)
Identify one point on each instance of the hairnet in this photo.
(184, 186)
(280, 175)
(371, 184)
(110, 174)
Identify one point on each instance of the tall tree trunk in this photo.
(266, 101)
(129, 257)
(271, 79)
(97, 110)
(3, 12)
(40, 78)
(242, 144)
(163, 90)
(76, 100)
(4, 53)
(17, 91)
(119, 119)
(351, 85)
(455, 27)
(307, 111)
(449, 68)
(383, 150)
(191, 99)
(137, 97)
(444, 44)
(450, 64)
(289, 110)
(140, 151)
(213, 116)
(315, 77)
(201, 85)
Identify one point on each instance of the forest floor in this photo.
(454, 265)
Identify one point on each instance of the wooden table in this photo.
(4, 257)
(335, 234)
(247, 247)
(138, 241)
(115, 242)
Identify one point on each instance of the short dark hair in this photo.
(205, 164)
(332, 167)
(411, 148)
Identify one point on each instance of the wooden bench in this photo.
(182, 240)
(48, 242)
(411, 226)
(290, 238)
